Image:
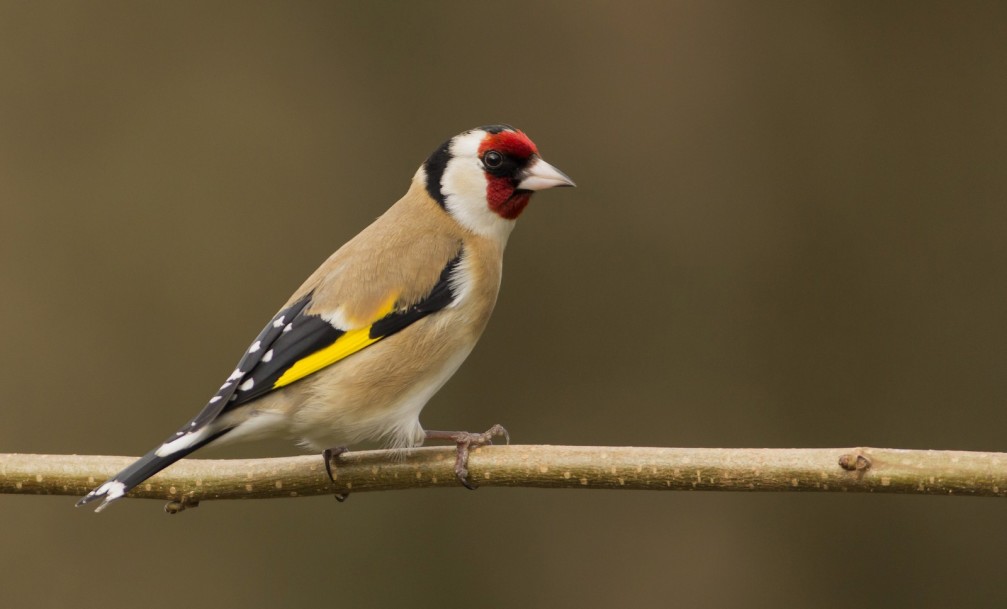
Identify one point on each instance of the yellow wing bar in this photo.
(344, 346)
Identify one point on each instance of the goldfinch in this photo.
(376, 331)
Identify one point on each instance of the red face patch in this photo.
(510, 143)
(503, 200)
(500, 191)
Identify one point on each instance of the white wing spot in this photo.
(338, 319)
(247, 385)
(289, 327)
(213, 400)
(267, 356)
(113, 489)
(279, 321)
(182, 442)
(255, 346)
(237, 374)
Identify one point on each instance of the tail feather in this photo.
(143, 468)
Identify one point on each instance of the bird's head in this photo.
(485, 177)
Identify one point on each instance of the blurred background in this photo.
(789, 231)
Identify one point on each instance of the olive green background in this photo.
(789, 231)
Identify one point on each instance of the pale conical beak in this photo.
(541, 175)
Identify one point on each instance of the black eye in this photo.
(493, 159)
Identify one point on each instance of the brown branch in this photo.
(189, 481)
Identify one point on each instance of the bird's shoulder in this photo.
(396, 261)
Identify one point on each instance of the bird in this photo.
(361, 346)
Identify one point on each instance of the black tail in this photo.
(143, 468)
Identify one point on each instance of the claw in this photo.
(465, 440)
(329, 454)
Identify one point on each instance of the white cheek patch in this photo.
(464, 177)
(467, 144)
(463, 185)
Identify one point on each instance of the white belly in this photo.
(341, 422)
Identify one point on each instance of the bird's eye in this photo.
(493, 159)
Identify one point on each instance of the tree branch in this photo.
(190, 481)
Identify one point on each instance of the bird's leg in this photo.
(465, 440)
(329, 454)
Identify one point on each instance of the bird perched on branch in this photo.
(366, 341)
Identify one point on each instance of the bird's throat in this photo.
(504, 199)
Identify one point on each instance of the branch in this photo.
(928, 472)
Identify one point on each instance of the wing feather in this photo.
(252, 358)
(296, 344)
